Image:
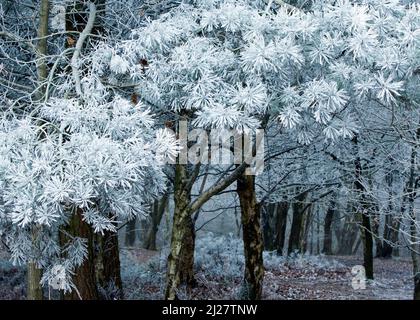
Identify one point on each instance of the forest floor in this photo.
(313, 278)
(393, 281)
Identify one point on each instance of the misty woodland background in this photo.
(95, 205)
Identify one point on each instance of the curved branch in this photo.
(79, 45)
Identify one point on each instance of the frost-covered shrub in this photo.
(12, 281)
(299, 262)
(109, 292)
(143, 281)
(219, 256)
(218, 259)
(222, 256)
(98, 154)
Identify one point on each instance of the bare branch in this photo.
(79, 45)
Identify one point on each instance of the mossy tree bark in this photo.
(252, 238)
(181, 258)
(34, 289)
(34, 274)
(180, 267)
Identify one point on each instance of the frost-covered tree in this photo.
(322, 70)
(369, 49)
(83, 157)
(230, 65)
(334, 83)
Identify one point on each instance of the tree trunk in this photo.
(329, 217)
(386, 248)
(412, 194)
(187, 253)
(108, 270)
(376, 223)
(268, 214)
(295, 231)
(366, 230)
(281, 223)
(395, 237)
(348, 236)
(306, 223)
(395, 229)
(414, 248)
(387, 237)
(367, 240)
(356, 246)
(180, 267)
(42, 47)
(252, 238)
(34, 289)
(130, 232)
(157, 215)
(34, 275)
(417, 286)
(318, 232)
(84, 276)
(181, 257)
